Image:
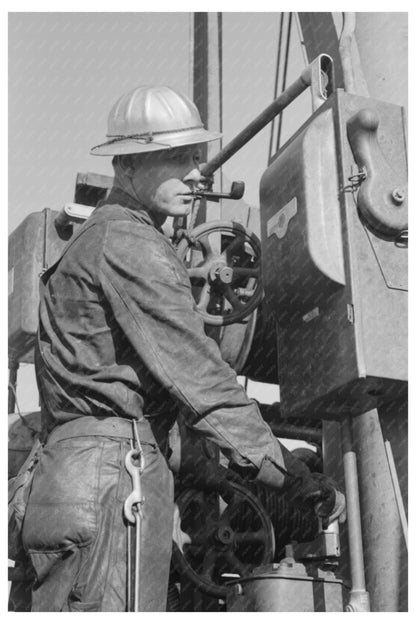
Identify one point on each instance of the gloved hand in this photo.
(321, 493)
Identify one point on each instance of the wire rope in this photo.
(276, 81)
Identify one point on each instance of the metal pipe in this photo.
(276, 81)
(293, 428)
(286, 63)
(397, 491)
(293, 432)
(13, 368)
(384, 548)
(276, 107)
(359, 597)
(345, 43)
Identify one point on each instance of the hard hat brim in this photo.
(159, 142)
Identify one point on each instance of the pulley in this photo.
(216, 542)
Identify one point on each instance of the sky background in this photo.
(67, 69)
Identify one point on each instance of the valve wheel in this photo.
(213, 544)
(226, 281)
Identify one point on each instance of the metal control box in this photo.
(335, 258)
(33, 246)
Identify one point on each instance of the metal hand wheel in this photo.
(223, 262)
(215, 543)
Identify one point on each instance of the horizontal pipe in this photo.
(276, 107)
(293, 428)
(292, 432)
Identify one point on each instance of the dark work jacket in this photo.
(119, 336)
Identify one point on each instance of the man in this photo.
(119, 343)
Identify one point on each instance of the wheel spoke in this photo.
(197, 273)
(230, 295)
(198, 539)
(232, 247)
(247, 537)
(206, 246)
(237, 565)
(195, 549)
(233, 509)
(239, 272)
(208, 564)
(204, 297)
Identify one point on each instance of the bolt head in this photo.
(398, 196)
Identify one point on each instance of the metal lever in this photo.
(382, 195)
(236, 192)
(324, 64)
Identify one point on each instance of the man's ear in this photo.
(126, 164)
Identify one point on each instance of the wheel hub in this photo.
(225, 535)
(221, 273)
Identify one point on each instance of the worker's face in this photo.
(161, 180)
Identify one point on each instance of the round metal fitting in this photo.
(225, 535)
(398, 196)
(220, 272)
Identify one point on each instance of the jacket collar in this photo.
(138, 211)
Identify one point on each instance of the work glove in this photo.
(319, 492)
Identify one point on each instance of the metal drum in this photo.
(286, 587)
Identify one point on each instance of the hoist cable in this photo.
(276, 82)
(286, 63)
(220, 84)
(301, 40)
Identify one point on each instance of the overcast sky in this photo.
(67, 69)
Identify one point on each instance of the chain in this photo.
(356, 180)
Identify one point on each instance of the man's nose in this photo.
(194, 176)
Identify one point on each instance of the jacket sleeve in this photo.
(149, 292)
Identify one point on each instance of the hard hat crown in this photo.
(150, 119)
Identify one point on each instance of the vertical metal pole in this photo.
(200, 68)
(137, 549)
(207, 74)
(13, 368)
(359, 597)
(397, 492)
(384, 549)
(289, 30)
(276, 82)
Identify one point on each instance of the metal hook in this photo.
(135, 497)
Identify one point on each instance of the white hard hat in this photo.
(148, 119)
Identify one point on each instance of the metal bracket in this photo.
(322, 79)
(325, 546)
(73, 213)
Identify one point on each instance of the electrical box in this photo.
(333, 210)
